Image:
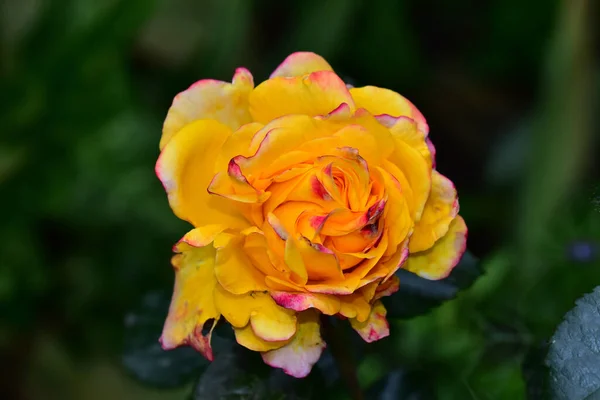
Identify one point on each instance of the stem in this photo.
(340, 347)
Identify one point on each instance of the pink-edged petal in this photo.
(298, 357)
(387, 288)
(192, 304)
(438, 261)
(384, 101)
(375, 327)
(440, 209)
(210, 99)
(300, 63)
(299, 301)
(317, 93)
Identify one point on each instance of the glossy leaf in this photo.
(574, 354)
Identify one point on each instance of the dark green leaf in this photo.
(574, 354)
(143, 356)
(399, 384)
(418, 295)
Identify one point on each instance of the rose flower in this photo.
(305, 196)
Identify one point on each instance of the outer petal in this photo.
(247, 338)
(407, 130)
(233, 268)
(317, 93)
(298, 357)
(384, 101)
(301, 63)
(185, 169)
(210, 99)
(439, 211)
(375, 327)
(192, 303)
(438, 261)
(268, 321)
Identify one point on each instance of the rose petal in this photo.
(384, 101)
(297, 301)
(438, 261)
(354, 306)
(192, 303)
(440, 209)
(269, 321)
(185, 169)
(406, 129)
(375, 327)
(247, 338)
(233, 268)
(301, 63)
(210, 99)
(317, 93)
(298, 357)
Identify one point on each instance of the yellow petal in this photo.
(375, 327)
(301, 63)
(298, 301)
(269, 321)
(439, 211)
(234, 185)
(407, 130)
(438, 261)
(384, 101)
(298, 357)
(233, 268)
(278, 138)
(237, 144)
(247, 338)
(317, 93)
(417, 172)
(185, 169)
(355, 306)
(199, 237)
(210, 99)
(192, 303)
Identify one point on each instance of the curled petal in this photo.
(298, 301)
(355, 306)
(317, 93)
(298, 357)
(199, 237)
(185, 169)
(247, 338)
(192, 304)
(375, 327)
(233, 185)
(440, 209)
(268, 321)
(387, 288)
(384, 101)
(210, 99)
(438, 261)
(406, 129)
(301, 63)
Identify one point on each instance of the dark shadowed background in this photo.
(509, 88)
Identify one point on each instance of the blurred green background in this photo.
(509, 88)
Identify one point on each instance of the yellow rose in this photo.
(306, 197)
